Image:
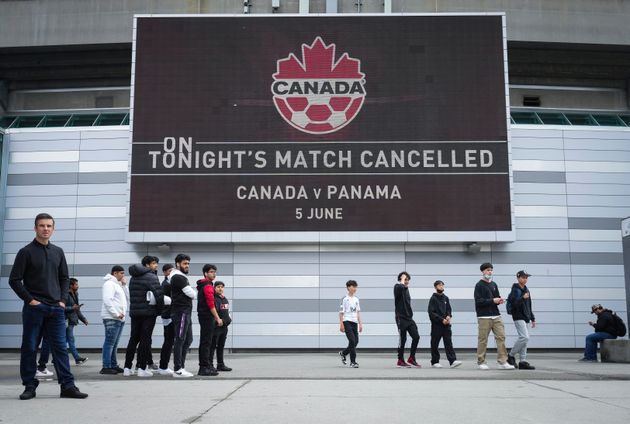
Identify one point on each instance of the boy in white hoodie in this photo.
(113, 312)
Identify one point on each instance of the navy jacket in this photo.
(143, 280)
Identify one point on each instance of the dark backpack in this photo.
(620, 326)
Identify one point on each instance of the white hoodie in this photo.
(115, 299)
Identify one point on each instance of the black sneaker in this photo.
(109, 371)
(343, 357)
(511, 360)
(28, 393)
(587, 360)
(208, 372)
(119, 370)
(81, 360)
(73, 393)
(153, 367)
(523, 365)
(354, 365)
(223, 367)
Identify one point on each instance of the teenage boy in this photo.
(350, 323)
(167, 323)
(522, 314)
(39, 277)
(151, 262)
(219, 336)
(207, 314)
(487, 301)
(440, 314)
(405, 322)
(115, 294)
(182, 295)
(74, 315)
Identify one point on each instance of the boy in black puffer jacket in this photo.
(222, 305)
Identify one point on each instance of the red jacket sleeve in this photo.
(208, 292)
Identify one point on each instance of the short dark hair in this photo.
(437, 283)
(117, 268)
(166, 267)
(351, 283)
(148, 259)
(43, 216)
(404, 273)
(73, 280)
(208, 267)
(219, 283)
(485, 265)
(181, 258)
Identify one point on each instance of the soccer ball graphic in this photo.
(318, 95)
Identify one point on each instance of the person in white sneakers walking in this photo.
(440, 314)
(113, 311)
(350, 323)
(182, 296)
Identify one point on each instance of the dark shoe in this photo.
(213, 371)
(81, 360)
(28, 393)
(208, 372)
(587, 360)
(402, 364)
(222, 367)
(119, 370)
(73, 393)
(343, 357)
(354, 365)
(153, 367)
(512, 360)
(412, 361)
(523, 365)
(109, 371)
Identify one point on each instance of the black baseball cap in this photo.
(522, 273)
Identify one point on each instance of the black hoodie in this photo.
(606, 323)
(521, 307)
(485, 292)
(402, 302)
(143, 280)
(439, 308)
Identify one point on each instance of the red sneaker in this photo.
(402, 364)
(412, 362)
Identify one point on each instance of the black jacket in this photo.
(605, 323)
(222, 304)
(484, 293)
(180, 302)
(166, 290)
(40, 272)
(205, 297)
(402, 302)
(521, 307)
(73, 316)
(143, 280)
(439, 308)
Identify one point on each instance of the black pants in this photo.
(352, 333)
(182, 329)
(407, 326)
(140, 339)
(167, 346)
(439, 331)
(206, 328)
(218, 343)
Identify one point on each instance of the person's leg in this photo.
(179, 329)
(221, 337)
(205, 341)
(415, 339)
(119, 329)
(144, 347)
(134, 339)
(520, 346)
(167, 346)
(350, 330)
(402, 339)
(188, 340)
(356, 337)
(590, 350)
(499, 336)
(111, 330)
(484, 326)
(55, 328)
(32, 330)
(71, 343)
(44, 355)
(436, 335)
(447, 336)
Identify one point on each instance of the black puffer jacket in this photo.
(143, 280)
(606, 323)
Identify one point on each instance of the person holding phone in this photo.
(74, 315)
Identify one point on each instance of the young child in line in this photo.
(220, 333)
(350, 323)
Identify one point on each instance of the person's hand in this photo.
(85, 322)
(123, 281)
(445, 321)
(62, 304)
(498, 300)
(220, 322)
(591, 323)
(360, 327)
(121, 315)
(34, 302)
(341, 328)
(533, 324)
(526, 296)
(76, 307)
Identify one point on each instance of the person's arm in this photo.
(108, 293)
(434, 312)
(360, 321)
(603, 322)
(17, 276)
(208, 292)
(341, 309)
(82, 317)
(64, 277)
(68, 304)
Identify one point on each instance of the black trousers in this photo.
(441, 332)
(352, 333)
(206, 329)
(407, 326)
(167, 346)
(182, 330)
(219, 336)
(140, 339)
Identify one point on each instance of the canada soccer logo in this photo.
(318, 95)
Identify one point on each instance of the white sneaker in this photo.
(182, 373)
(483, 367)
(144, 372)
(167, 371)
(505, 366)
(128, 372)
(43, 374)
(437, 365)
(456, 364)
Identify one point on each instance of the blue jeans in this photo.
(113, 330)
(50, 322)
(44, 354)
(71, 346)
(590, 350)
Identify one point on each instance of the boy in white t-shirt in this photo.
(350, 323)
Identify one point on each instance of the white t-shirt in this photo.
(349, 307)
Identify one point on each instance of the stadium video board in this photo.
(319, 123)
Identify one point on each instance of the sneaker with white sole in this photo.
(127, 372)
(43, 373)
(456, 364)
(483, 367)
(343, 357)
(182, 373)
(167, 371)
(144, 372)
(505, 366)
(437, 365)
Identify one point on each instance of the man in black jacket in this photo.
(182, 295)
(167, 322)
(440, 314)
(143, 315)
(604, 329)
(405, 322)
(522, 314)
(40, 278)
(74, 315)
(207, 315)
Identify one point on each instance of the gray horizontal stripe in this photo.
(539, 177)
(531, 257)
(103, 178)
(99, 270)
(578, 258)
(10, 318)
(332, 305)
(595, 223)
(61, 178)
(441, 258)
(277, 305)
